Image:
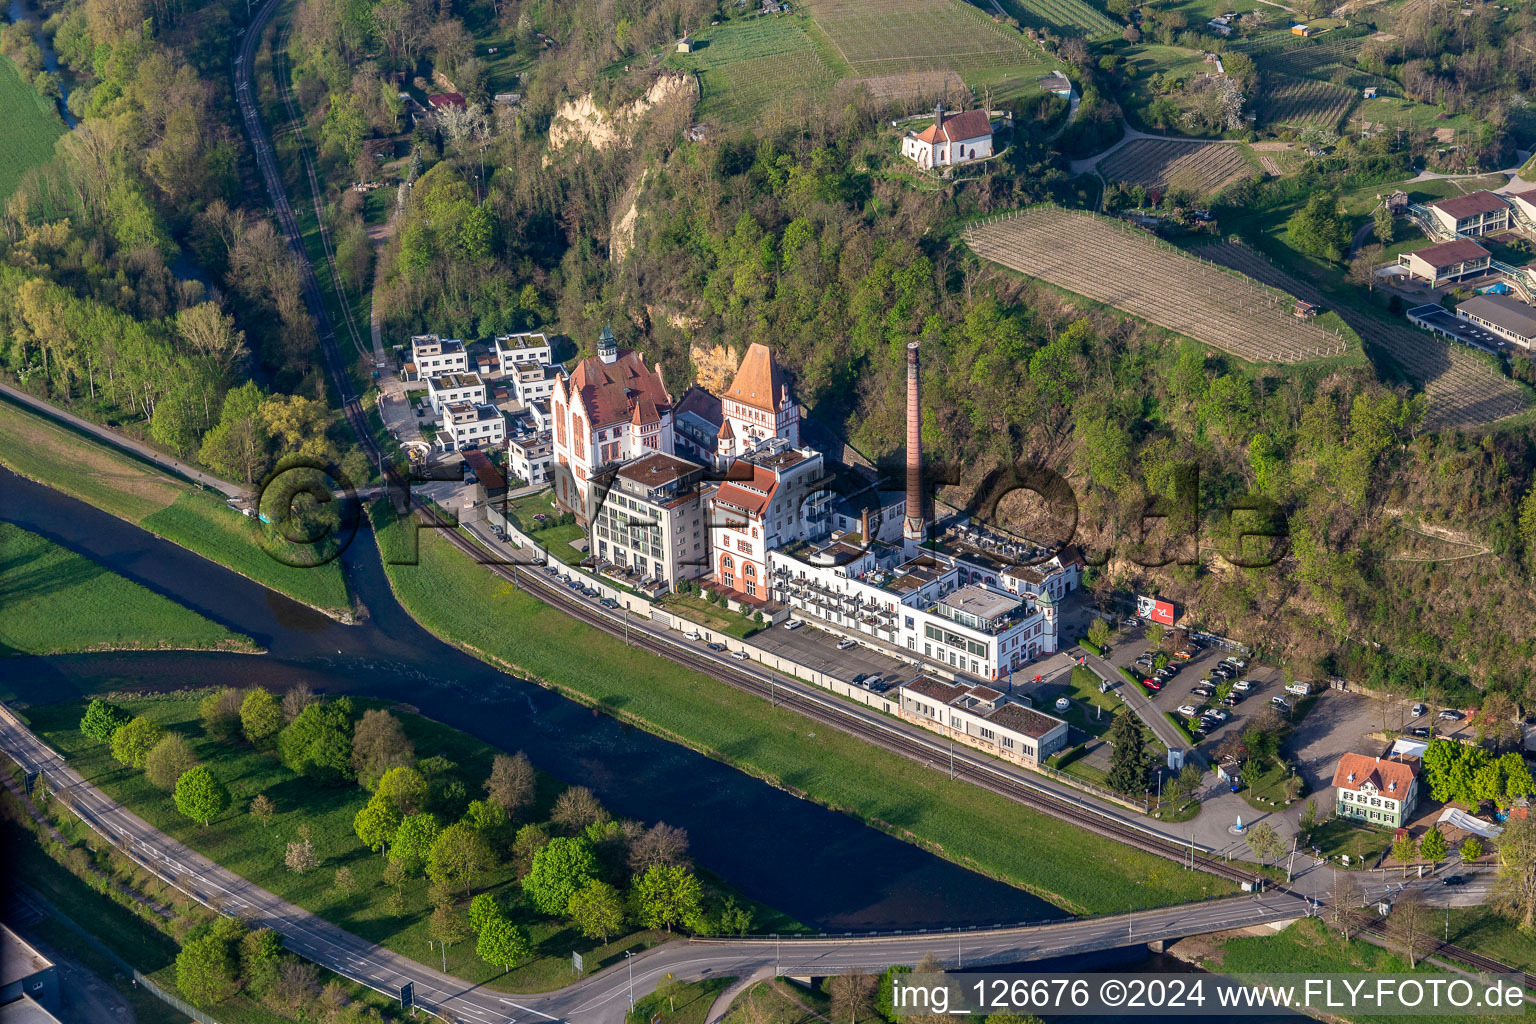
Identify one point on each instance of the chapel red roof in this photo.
(610, 392)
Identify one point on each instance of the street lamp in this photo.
(628, 962)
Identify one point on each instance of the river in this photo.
(822, 868)
(20, 10)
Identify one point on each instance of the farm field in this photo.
(27, 131)
(1203, 167)
(1063, 15)
(1462, 390)
(916, 85)
(924, 35)
(1121, 266)
(743, 66)
(1296, 102)
(1306, 57)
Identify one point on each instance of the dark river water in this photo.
(820, 867)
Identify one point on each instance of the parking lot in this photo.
(817, 649)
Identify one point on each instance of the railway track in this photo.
(822, 709)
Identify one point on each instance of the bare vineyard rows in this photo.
(1155, 163)
(1111, 262)
(1463, 390)
(1304, 101)
(921, 35)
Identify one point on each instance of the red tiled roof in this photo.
(645, 412)
(1529, 195)
(1470, 204)
(1448, 254)
(759, 382)
(968, 124)
(445, 99)
(748, 495)
(610, 392)
(1391, 778)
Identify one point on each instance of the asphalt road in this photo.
(603, 998)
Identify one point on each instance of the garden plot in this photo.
(1110, 262)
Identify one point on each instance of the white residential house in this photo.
(529, 458)
(533, 382)
(1381, 791)
(1476, 213)
(432, 356)
(513, 350)
(950, 140)
(771, 497)
(455, 387)
(467, 424)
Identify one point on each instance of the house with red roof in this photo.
(952, 139)
(1376, 790)
(611, 409)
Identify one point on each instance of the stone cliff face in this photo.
(581, 121)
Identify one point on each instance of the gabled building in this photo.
(764, 501)
(983, 718)
(1446, 262)
(951, 139)
(611, 409)
(1379, 791)
(1476, 213)
(757, 406)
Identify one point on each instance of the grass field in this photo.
(1112, 263)
(745, 65)
(41, 450)
(778, 1001)
(462, 602)
(239, 842)
(932, 35)
(1062, 15)
(56, 601)
(1482, 931)
(1309, 946)
(28, 129)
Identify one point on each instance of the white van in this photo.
(1299, 689)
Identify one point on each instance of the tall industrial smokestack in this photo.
(912, 527)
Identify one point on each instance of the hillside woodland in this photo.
(802, 233)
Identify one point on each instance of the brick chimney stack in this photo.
(912, 527)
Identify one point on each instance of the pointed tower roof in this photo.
(759, 381)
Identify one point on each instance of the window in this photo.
(726, 563)
(751, 570)
(751, 587)
(986, 734)
(730, 581)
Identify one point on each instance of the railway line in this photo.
(825, 709)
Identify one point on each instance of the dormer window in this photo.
(1351, 777)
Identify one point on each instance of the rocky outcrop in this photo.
(581, 121)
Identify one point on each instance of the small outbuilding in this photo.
(685, 44)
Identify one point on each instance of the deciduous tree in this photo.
(102, 719)
(261, 716)
(413, 841)
(597, 910)
(661, 844)
(263, 809)
(1514, 886)
(575, 809)
(405, 789)
(379, 744)
(558, 870)
(460, 857)
(511, 785)
(665, 896)
(131, 743)
(853, 996)
(200, 795)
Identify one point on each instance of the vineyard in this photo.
(1202, 167)
(744, 66)
(1312, 58)
(1063, 14)
(1295, 102)
(898, 36)
(1463, 391)
(916, 85)
(1110, 262)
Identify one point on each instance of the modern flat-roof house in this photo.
(468, 423)
(529, 458)
(1376, 790)
(951, 139)
(455, 387)
(533, 382)
(25, 973)
(1446, 262)
(521, 349)
(648, 520)
(433, 355)
(1505, 316)
(1476, 213)
(984, 718)
(1524, 202)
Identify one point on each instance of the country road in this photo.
(603, 998)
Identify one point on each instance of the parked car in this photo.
(873, 681)
(591, 591)
(1450, 715)
(858, 680)
(1129, 622)
(693, 634)
(1237, 663)
(550, 570)
(1164, 673)
(1243, 684)
(1417, 711)
(717, 648)
(1420, 733)
(1453, 880)
(1216, 713)
(740, 655)
(794, 624)
(1187, 710)
(609, 602)
(1281, 703)
(1152, 684)
(1229, 701)
(843, 645)
(880, 687)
